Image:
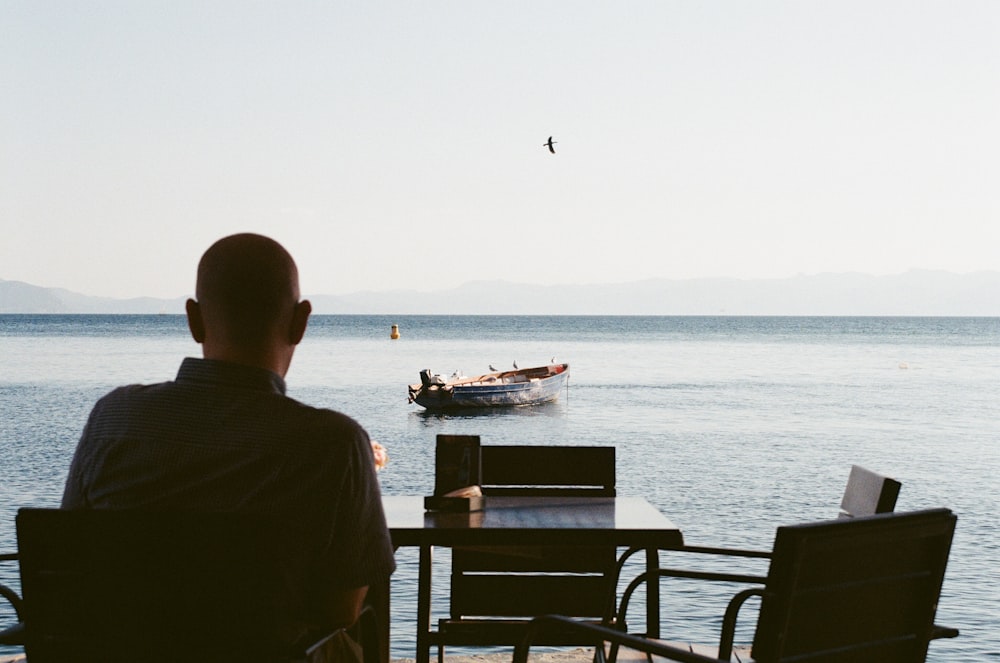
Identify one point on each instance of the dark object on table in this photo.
(457, 473)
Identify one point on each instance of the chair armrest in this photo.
(9, 593)
(620, 621)
(704, 550)
(13, 636)
(13, 599)
(938, 632)
(538, 626)
(609, 612)
(642, 578)
(729, 552)
(729, 620)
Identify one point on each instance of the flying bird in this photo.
(515, 364)
(550, 144)
(492, 368)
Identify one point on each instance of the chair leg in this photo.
(424, 606)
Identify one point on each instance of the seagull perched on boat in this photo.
(549, 145)
(515, 364)
(492, 368)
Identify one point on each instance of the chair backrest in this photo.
(548, 470)
(868, 493)
(111, 586)
(531, 581)
(851, 591)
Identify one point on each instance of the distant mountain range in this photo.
(917, 292)
(20, 297)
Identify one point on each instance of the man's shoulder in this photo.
(129, 391)
(320, 417)
(225, 417)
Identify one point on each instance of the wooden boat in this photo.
(523, 386)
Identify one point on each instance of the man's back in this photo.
(224, 437)
(220, 437)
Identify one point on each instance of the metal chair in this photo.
(116, 586)
(866, 494)
(495, 592)
(837, 591)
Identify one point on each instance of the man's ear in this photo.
(300, 319)
(195, 322)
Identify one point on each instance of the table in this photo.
(512, 521)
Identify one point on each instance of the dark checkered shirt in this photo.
(225, 437)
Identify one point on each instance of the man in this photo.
(224, 437)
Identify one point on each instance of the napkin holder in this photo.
(457, 475)
(455, 503)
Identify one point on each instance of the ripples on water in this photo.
(730, 426)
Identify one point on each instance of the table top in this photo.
(620, 521)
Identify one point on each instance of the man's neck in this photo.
(270, 360)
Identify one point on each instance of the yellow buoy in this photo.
(395, 332)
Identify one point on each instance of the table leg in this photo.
(652, 595)
(424, 604)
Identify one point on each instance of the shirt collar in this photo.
(224, 373)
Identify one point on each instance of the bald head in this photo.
(248, 294)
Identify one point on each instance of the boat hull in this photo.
(532, 386)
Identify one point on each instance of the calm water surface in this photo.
(731, 426)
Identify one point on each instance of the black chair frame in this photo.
(495, 592)
(115, 586)
(840, 590)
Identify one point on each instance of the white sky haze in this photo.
(399, 145)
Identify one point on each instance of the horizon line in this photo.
(547, 285)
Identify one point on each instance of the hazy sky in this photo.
(399, 144)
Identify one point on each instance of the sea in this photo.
(731, 426)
